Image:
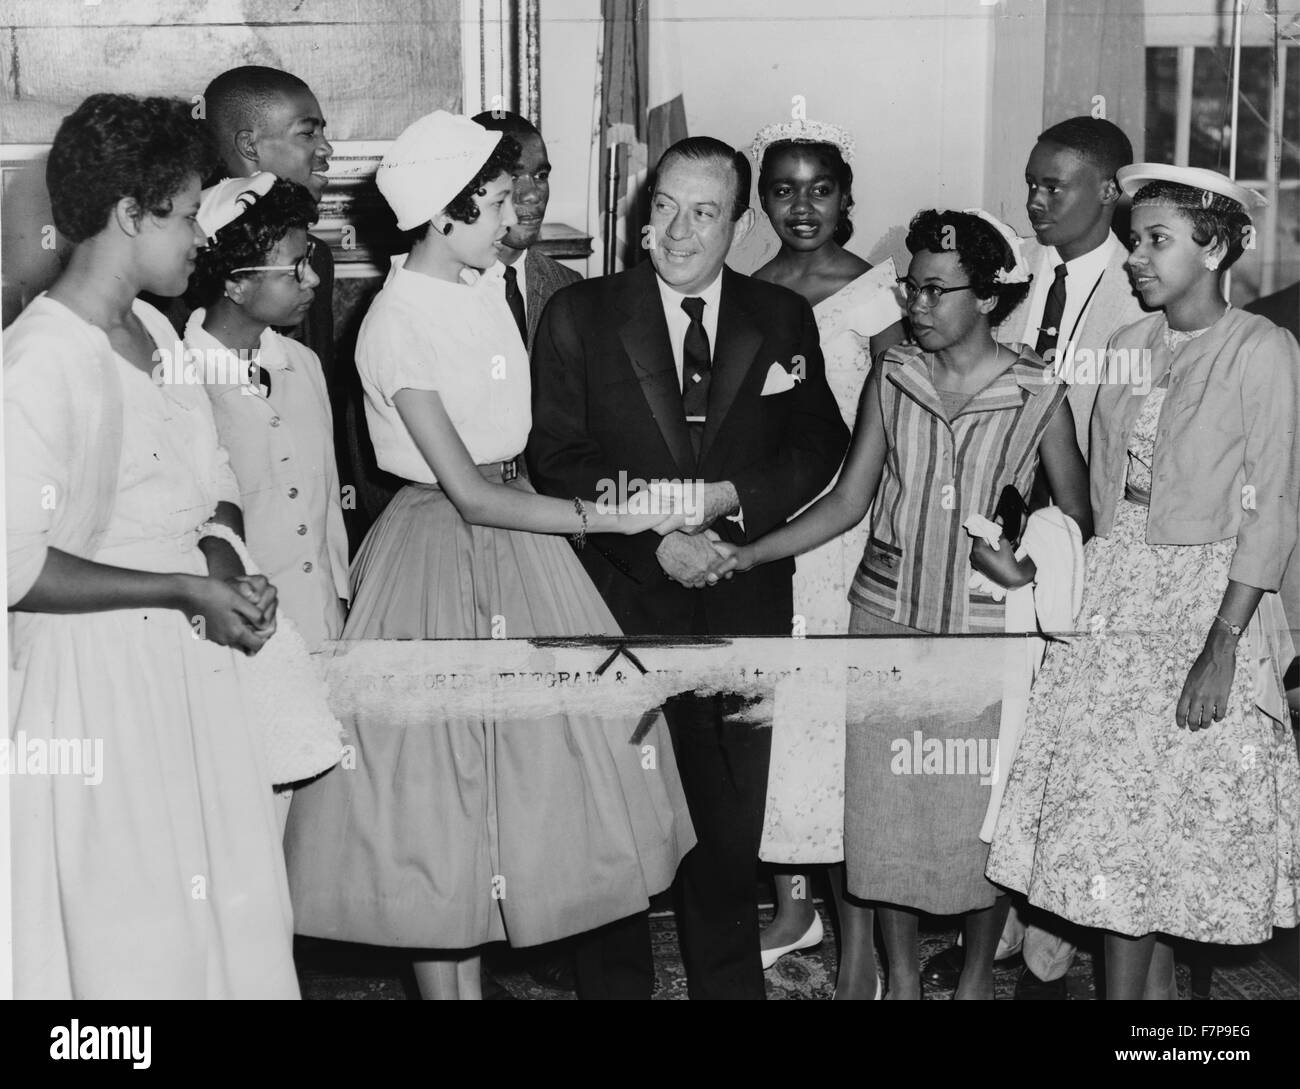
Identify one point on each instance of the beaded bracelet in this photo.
(224, 533)
(580, 538)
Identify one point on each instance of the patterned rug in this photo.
(331, 970)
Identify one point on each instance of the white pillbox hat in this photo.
(430, 162)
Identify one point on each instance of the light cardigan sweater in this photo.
(63, 391)
(1227, 454)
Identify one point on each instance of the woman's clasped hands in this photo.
(238, 611)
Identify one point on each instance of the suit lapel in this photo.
(733, 355)
(535, 298)
(1114, 305)
(644, 334)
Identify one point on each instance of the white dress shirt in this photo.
(679, 321)
(1081, 277)
(282, 451)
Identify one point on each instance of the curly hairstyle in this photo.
(250, 238)
(832, 161)
(114, 146)
(981, 251)
(1214, 218)
(502, 160)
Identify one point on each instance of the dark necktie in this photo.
(695, 372)
(515, 301)
(1049, 330)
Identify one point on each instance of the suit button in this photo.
(307, 567)
(302, 531)
(275, 421)
(293, 493)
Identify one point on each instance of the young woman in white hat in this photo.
(471, 830)
(1155, 794)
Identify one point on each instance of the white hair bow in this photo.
(223, 203)
(1019, 274)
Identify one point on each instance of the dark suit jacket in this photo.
(606, 401)
(544, 277)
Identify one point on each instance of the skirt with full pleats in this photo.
(469, 830)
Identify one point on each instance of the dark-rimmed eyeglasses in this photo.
(298, 268)
(930, 294)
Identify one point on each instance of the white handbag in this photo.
(287, 694)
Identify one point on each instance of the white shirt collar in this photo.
(672, 298)
(1087, 267)
(270, 350)
(521, 273)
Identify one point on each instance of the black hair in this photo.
(1101, 142)
(505, 121)
(250, 238)
(1214, 217)
(981, 250)
(706, 149)
(114, 146)
(832, 160)
(240, 98)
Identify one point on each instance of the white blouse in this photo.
(458, 339)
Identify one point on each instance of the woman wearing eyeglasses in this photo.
(943, 426)
(268, 394)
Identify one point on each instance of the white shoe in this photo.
(809, 939)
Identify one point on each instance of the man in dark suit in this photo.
(681, 369)
(531, 277)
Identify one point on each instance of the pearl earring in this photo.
(1212, 263)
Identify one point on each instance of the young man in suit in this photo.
(531, 277)
(670, 371)
(1081, 294)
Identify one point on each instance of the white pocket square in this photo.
(779, 380)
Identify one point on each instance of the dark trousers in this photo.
(723, 767)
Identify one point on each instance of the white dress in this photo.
(804, 820)
(160, 873)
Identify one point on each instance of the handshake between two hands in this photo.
(690, 553)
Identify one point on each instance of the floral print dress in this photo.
(1113, 816)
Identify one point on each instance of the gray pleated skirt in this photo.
(467, 831)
